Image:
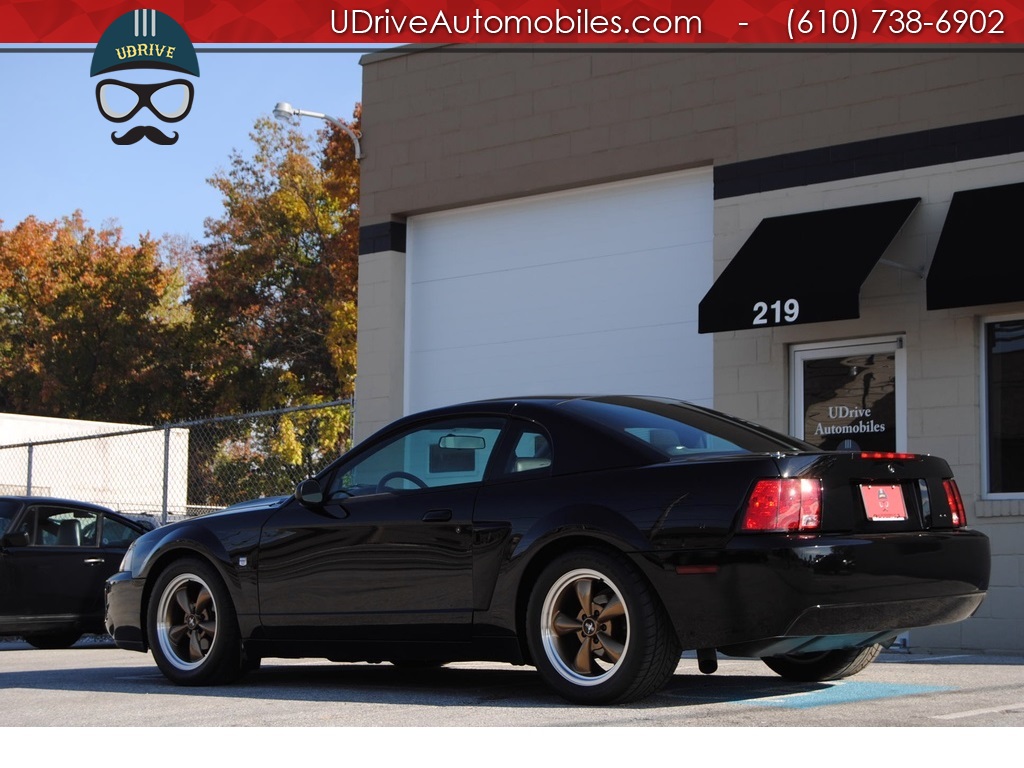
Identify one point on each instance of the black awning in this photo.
(979, 258)
(802, 268)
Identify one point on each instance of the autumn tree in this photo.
(274, 310)
(89, 325)
(341, 169)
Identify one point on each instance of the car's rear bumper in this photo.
(765, 592)
(124, 621)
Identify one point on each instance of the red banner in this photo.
(594, 22)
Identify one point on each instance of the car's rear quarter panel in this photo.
(662, 516)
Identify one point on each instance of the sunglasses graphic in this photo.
(119, 101)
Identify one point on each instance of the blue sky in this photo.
(56, 155)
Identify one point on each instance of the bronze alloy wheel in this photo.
(585, 627)
(193, 628)
(596, 631)
(186, 625)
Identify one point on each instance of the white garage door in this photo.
(593, 290)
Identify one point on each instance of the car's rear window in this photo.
(675, 428)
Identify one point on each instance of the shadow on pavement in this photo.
(458, 684)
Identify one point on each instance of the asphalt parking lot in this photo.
(96, 684)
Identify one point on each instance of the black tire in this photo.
(596, 632)
(49, 641)
(192, 625)
(826, 665)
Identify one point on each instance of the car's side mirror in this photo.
(16, 539)
(309, 493)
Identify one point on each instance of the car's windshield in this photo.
(678, 429)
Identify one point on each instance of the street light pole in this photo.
(283, 111)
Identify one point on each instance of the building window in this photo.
(1004, 406)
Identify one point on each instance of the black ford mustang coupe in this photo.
(592, 537)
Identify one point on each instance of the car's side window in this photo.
(117, 534)
(531, 452)
(60, 527)
(449, 452)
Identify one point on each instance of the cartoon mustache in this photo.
(140, 132)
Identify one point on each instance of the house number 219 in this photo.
(782, 311)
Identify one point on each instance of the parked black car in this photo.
(593, 537)
(55, 555)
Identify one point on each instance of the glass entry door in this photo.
(850, 395)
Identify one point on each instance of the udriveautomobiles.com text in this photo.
(583, 22)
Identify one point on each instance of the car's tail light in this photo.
(956, 503)
(783, 504)
(887, 455)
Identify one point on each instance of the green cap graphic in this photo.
(144, 39)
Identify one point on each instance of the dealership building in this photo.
(819, 241)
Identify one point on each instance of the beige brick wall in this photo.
(448, 127)
(381, 364)
(943, 348)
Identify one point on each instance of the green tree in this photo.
(270, 455)
(89, 325)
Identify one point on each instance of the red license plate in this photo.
(883, 502)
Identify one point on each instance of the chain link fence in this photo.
(184, 469)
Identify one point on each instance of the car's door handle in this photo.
(438, 516)
(94, 561)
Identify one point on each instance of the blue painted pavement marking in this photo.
(845, 692)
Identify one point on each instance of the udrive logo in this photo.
(144, 47)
